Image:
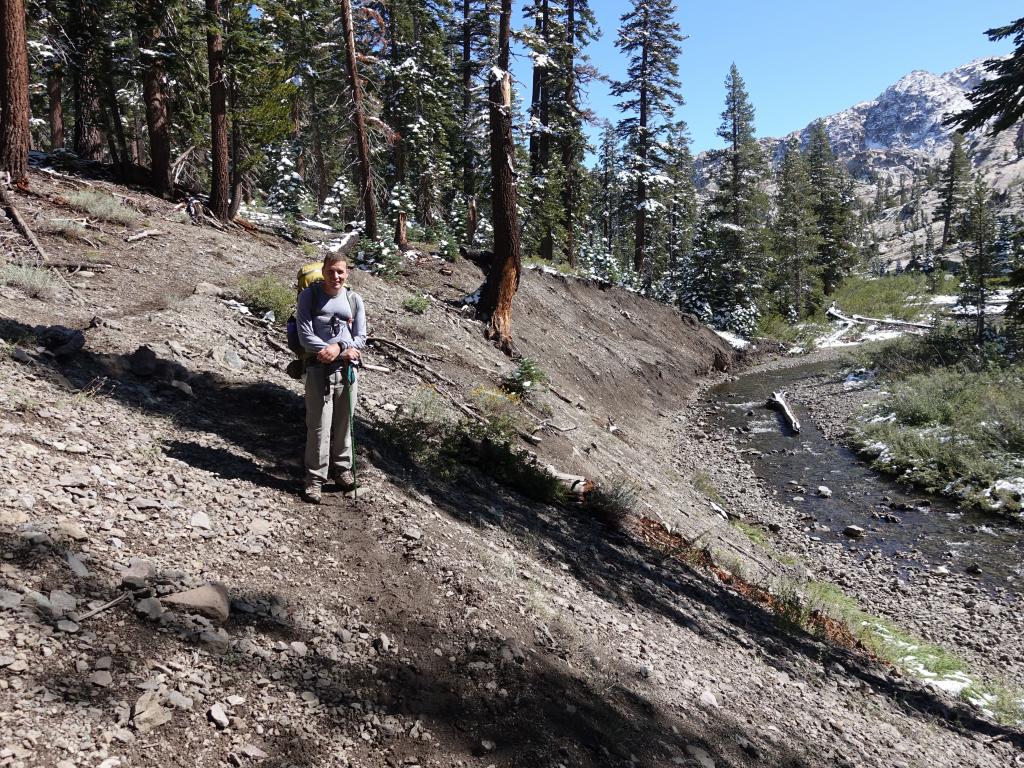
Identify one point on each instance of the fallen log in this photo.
(837, 314)
(577, 485)
(778, 402)
(144, 234)
(897, 323)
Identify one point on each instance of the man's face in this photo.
(335, 276)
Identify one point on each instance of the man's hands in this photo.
(332, 352)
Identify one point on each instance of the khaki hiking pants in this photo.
(328, 422)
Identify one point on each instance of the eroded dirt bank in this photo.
(431, 622)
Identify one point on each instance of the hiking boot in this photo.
(345, 480)
(311, 492)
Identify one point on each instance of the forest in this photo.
(386, 117)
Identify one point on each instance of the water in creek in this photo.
(914, 530)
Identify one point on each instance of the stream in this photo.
(915, 531)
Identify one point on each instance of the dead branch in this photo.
(16, 218)
(104, 607)
(396, 345)
(143, 235)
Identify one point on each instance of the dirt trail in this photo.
(429, 623)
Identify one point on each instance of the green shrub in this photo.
(416, 304)
(424, 435)
(100, 205)
(612, 501)
(501, 414)
(267, 294)
(525, 379)
(951, 430)
(37, 283)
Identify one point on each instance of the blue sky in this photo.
(801, 59)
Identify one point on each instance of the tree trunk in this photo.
(113, 111)
(366, 193)
(468, 180)
(220, 198)
(495, 305)
(236, 152)
(54, 87)
(55, 82)
(318, 147)
(14, 119)
(535, 89)
(640, 234)
(567, 139)
(401, 240)
(157, 123)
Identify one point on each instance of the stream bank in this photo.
(950, 577)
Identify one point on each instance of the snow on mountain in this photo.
(903, 126)
(900, 130)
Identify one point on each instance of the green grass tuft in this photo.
(267, 294)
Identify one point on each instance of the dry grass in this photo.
(100, 205)
(37, 283)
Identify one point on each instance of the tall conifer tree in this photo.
(651, 40)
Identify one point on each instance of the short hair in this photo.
(334, 258)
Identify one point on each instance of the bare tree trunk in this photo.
(14, 119)
(567, 139)
(54, 86)
(113, 110)
(236, 152)
(468, 178)
(318, 148)
(220, 199)
(55, 83)
(401, 239)
(495, 305)
(472, 220)
(366, 193)
(157, 123)
(87, 140)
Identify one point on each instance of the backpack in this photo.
(310, 274)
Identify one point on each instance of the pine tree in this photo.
(14, 117)
(955, 191)
(795, 236)
(1000, 97)
(739, 210)
(977, 229)
(651, 40)
(681, 213)
(833, 209)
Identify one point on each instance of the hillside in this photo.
(439, 619)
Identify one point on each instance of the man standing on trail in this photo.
(332, 329)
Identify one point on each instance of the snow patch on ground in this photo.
(734, 341)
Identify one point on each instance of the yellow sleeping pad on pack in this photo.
(309, 274)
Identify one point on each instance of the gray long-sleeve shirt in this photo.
(324, 320)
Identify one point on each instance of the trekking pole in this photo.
(350, 379)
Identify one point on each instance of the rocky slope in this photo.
(431, 622)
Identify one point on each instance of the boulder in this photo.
(210, 600)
